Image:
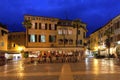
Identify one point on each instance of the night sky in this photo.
(95, 13)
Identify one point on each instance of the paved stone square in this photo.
(88, 69)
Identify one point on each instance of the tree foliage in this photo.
(27, 23)
(108, 34)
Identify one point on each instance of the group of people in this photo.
(54, 57)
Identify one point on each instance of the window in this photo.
(60, 41)
(78, 31)
(49, 26)
(52, 27)
(84, 35)
(33, 38)
(70, 31)
(46, 26)
(60, 31)
(3, 32)
(35, 25)
(43, 26)
(80, 42)
(65, 41)
(55, 26)
(39, 25)
(52, 38)
(64, 31)
(33, 18)
(70, 41)
(42, 38)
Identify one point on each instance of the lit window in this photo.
(42, 38)
(52, 27)
(32, 38)
(65, 31)
(33, 25)
(43, 26)
(69, 31)
(60, 31)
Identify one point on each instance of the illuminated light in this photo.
(103, 46)
(96, 67)
(95, 48)
(48, 51)
(118, 42)
(20, 48)
(99, 47)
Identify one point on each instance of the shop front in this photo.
(14, 56)
(36, 52)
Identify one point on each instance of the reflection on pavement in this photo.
(88, 69)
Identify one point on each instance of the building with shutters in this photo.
(16, 44)
(53, 34)
(98, 40)
(3, 39)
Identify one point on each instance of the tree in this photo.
(27, 24)
(108, 34)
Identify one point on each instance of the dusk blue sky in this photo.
(95, 13)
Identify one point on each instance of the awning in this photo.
(54, 49)
(13, 52)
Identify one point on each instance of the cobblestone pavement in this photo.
(88, 69)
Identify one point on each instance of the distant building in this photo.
(99, 38)
(3, 39)
(53, 34)
(16, 43)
